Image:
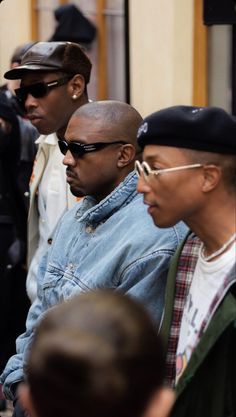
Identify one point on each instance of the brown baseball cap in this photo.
(68, 57)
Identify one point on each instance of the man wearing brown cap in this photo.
(54, 78)
(189, 174)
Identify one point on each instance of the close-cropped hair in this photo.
(122, 117)
(226, 162)
(97, 355)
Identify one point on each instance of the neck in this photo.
(215, 227)
(224, 248)
(113, 186)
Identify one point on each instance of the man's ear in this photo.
(161, 403)
(126, 155)
(77, 86)
(23, 393)
(212, 176)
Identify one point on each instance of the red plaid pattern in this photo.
(186, 267)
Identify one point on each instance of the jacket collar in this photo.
(93, 213)
(49, 139)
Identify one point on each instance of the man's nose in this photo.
(30, 102)
(142, 185)
(69, 160)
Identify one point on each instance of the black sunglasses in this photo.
(40, 89)
(78, 149)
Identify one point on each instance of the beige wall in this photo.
(161, 53)
(14, 29)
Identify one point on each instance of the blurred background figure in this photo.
(27, 132)
(13, 219)
(17, 153)
(9, 87)
(73, 26)
(96, 355)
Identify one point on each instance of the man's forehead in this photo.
(153, 150)
(161, 152)
(84, 129)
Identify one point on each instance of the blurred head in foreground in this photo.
(97, 355)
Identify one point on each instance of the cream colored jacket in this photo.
(59, 199)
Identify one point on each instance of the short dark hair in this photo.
(226, 162)
(95, 355)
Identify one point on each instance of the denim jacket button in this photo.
(89, 229)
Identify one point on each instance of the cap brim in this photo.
(18, 72)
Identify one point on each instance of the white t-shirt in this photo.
(208, 282)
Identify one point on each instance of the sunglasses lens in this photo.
(76, 149)
(63, 146)
(38, 90)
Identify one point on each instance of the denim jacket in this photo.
(111, 244)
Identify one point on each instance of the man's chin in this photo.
(76, 192)
(163, 223)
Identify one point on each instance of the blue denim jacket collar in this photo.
(92, 212)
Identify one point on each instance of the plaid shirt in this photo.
(186, 267)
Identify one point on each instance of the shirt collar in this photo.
(49, 139)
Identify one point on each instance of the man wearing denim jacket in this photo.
(108, 240)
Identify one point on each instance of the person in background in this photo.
(9, 86)
(13, 220)
(73, 26)
(54, 78)
(97, 355)
(27, 132)
(107, 240)
(189, 174)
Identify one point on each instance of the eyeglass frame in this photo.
(23, 92)
(144, 168)
(85, 147)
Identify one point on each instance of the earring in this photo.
(74, 97)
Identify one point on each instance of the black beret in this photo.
(209, 129)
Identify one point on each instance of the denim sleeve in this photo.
(13, 371)
(145, 280)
